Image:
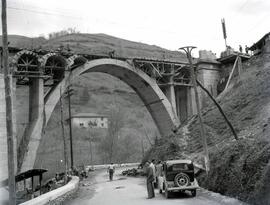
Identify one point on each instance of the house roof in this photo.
(29, 173)
(258, 43)
(87, 115)
(11, 49)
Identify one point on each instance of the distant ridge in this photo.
(97, 44)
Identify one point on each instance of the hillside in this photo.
(103, 44)
(246, 104)
(23, 41)
(238, 168)
(100, 44)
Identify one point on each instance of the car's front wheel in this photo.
(167, 194)
(193, 192)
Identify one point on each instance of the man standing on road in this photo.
(111, 169)
(149, 180)
(153, 166)
(159, 175)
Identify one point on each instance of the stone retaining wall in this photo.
(56, 196)
(105, 166)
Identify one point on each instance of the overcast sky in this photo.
(166, 23)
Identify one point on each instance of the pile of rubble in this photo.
(133, 172)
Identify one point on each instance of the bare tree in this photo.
(127, 147)
(109, 143)
(62, 33)
(85, 96)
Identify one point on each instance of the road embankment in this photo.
(240, 170)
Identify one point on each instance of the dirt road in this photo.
(132, 191)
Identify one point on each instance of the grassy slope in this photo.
(100, 44)
(23, 41)
(239, 169)
(103, 44)
(246, 104)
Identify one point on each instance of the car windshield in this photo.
(177, 167)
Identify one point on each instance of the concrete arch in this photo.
(156, 102)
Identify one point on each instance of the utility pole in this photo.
(188, 50)
(63, 135)
(224, 31)
(69, 93)
(142, 147)
(90, 146)
(91, 150)
(9, 120)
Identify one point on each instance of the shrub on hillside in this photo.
(165, 148)
(240, 170)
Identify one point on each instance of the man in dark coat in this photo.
(111, 170)
(150, 180)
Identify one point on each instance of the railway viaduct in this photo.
(163, 86)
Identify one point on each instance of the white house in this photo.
(90, 120)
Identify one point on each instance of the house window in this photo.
(102, 124)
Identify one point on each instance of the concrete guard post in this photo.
(50, 197)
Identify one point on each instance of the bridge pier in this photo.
(33, 132)
(169, 92)
(208, 73)
(184, 102)
(36, 99)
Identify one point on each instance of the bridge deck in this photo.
(231, 58)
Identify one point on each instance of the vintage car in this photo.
(178, 176)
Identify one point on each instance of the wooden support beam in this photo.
(31, 76)
(182, 84)
(175, 83)
(155, 69)
(178, 69)
(154, 102)
(239, 66)
(234, 66)
(166, 62)
(220, 110)
(63, 136)
(167, 74)
(40, 185)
